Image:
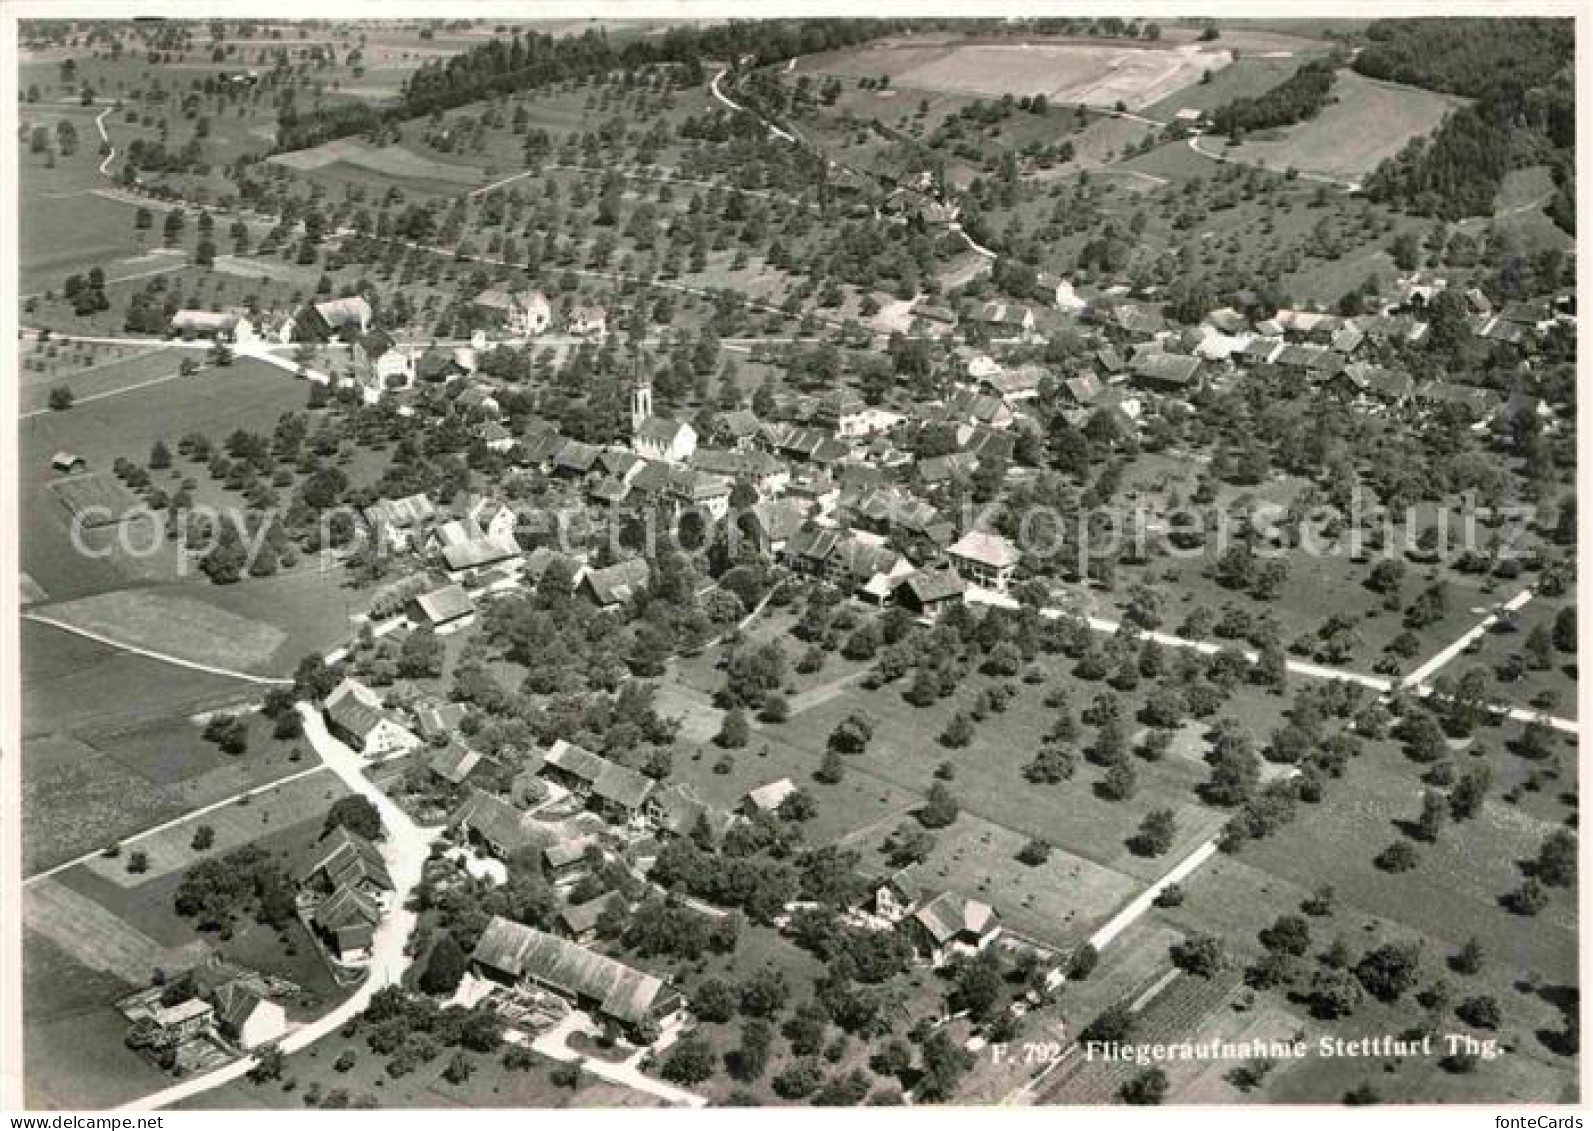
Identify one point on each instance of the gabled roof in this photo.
(577, 456)
(345, 858)
(987, 549)
(1167, 368)
(579, 918)
(677, 808)
(623, 993)
(347, 907)
(453, 762)
(949, 915)
(929, 586)
(662, 429)
(770, 797)
(494, 819)
(622, 786)
(576, 760)
(479, 552)
(235, 1004)
(618, 583)
(445, 604)
(411, 510)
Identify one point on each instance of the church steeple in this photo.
(641, 402)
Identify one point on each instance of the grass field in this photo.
(245, 395)
(176, 625)
(1337, 141)
(1095, 73)
(90, 370)
(68, 1025)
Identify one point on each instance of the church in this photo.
(656, 437)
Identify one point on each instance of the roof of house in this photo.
(624, 993)
(949, 915)
(453, 762)
(678, 809)
(502, 298)
(739, 422)
(622, 786)
(777, 519)
(770, 796)
(479, 552)
(340, 312)
(439, 718)
(445, 604)
(987, 549)
(618, 583)
(574, 455)
(347, 907)
(345, 857)
(662, 429)
(931, 585)
(235, 1004)
(183, 1011)
(579, 918)
(575, 760)
(1168, 368)
(495, 820)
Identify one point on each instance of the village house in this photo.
(578, 921)
(495, 824)
(612, 586)
(587, 321)
(770, 524)
(453, 761)
(986, 560)
(929, 593)
(356, 717)
(183, 1020)
(1167, 372)
(634, 1003)
(660, 438)
(246, 1019)
(842, 412)
(346, 923)
(738, 428)
(379, 365)
(445, 609)
(343, 858)
(522, 313)
(223, 326)
(767, 798)
(565, 862)
(399, 523)
(950, 925)
(677, 810)
(344, 318)
(898, 895)
(465, 559)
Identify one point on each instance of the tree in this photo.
(445, 966)
(61, 398)
(1198, 954)
(1120, 782)
(1565, 629)
(940, 807)
(1469, 792)
(832, 769)
(1035, 852)
(1147, 1089)
(1390, 970)
(204, 837)
(944, 1064)
(1156, 833)
(734, 730)
(1435, 812)
(268, 1065)
(1556, 862)
(749, 1060)
(1289, 934)
(357, 814)
(959, 732)
(1481, 1011)
(1469, 959)
(1397, 857)
(690, 1061)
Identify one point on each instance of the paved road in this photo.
(552, 1044)
(405, 849)
(1432, 667)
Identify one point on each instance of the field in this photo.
(1096, 74)
(1337, 142)
(109, 749)
(90, 370)
(160, 621)
(359, 162)
(216, 401)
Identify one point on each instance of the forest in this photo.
(1298, 98)
(534, 60)
(1519, 73)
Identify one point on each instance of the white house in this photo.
(248, 1019)
(521, 313)
(987, 560)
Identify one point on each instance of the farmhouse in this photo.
(222, 325)
(247, 1019)
(396, 522)
(951, 924)
(448, 607)
(630, 1000)
(379, 365)
(986, 560)
(355, 716)
(453, 762)
(578, 921)
(184, 1019)
(676, 809)
(520, 312)
(493, 823)
(337, 318)
(1170, 372)
(346, 922)
(929, 593)
(343, 858)
(463, 558)
(767, 798)
(613, 585)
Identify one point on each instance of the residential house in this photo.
(565, 862)
(495, 824)
(223, 326)
(899, 894)
(521, 313)
(678, 811)
(738, 428)
(398, 523)
(356, 717)
(632, 1001)
(771, 524)
(465, 558)
(342, 858)
(949, 925)
(346, 922)
(1167, 372)
(246, 1019)
(345, 318)
(587, 321)
(439, 720)
(929, 593)
(453, 762)
(185, 1019)
(612, 586)
(767, 798)
(986, 560)
(578, 921)
(842, 412)
(449, 608)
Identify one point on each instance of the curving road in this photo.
(405, 849)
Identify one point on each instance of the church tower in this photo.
(641, 403)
